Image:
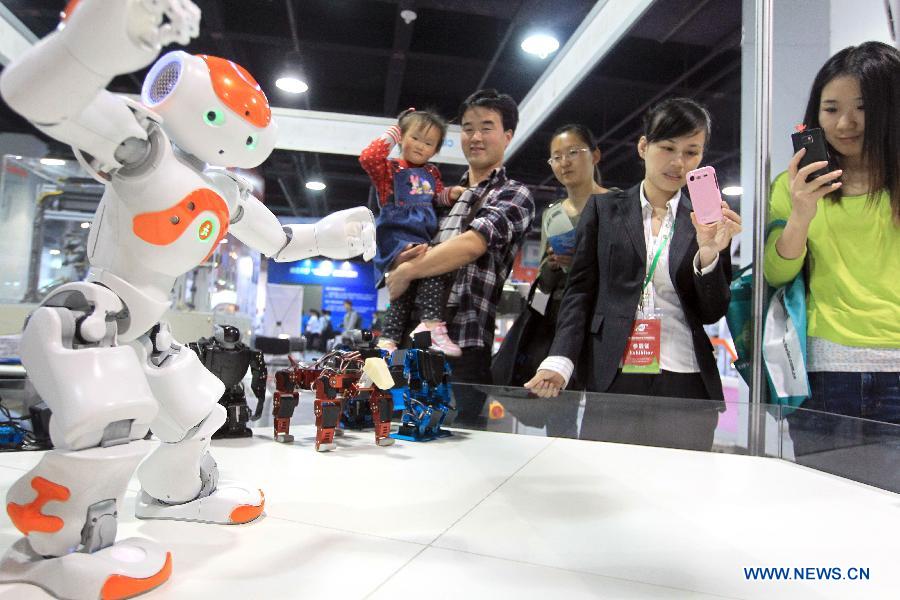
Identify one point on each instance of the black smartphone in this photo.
(816, 150)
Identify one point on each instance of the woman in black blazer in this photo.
(690, 287)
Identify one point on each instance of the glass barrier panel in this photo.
(858, 449)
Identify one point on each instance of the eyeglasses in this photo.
(570, 154)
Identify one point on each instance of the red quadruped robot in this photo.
(351, 386)
(99, 352)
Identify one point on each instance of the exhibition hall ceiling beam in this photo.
(338, 48)
(498, 9)
(501, 46)
(403, 31)
(598, 34)
(729, 41)
(215, 20)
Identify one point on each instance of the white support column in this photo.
(601, 30)
(339, 133)
(15, 38)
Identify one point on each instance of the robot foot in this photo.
(225, 433)
(325, 446)
(284, 438)
(387, 441)
(232, 503)
(127, 568)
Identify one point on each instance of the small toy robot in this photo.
(228, 359)
(351, 389)
(421, 376)
(99, 351)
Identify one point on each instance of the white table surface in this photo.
(490, 515)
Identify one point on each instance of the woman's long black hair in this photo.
(877, 68)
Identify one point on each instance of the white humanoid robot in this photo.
(97, 351)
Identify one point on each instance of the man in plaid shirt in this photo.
(479, 239)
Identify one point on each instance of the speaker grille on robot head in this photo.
(165, 81)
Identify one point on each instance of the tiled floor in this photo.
(488, 515)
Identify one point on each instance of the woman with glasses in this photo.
(646, 277)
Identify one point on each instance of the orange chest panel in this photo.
(164, 227)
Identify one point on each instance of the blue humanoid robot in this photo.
(421, 377)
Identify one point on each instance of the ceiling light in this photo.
(85, 225)
(733, 190)
(408, 16)
(53, 252)
(317, 186)
(53, 162)
(291, 85)
(540, 44)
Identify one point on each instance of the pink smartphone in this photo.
(705, 195)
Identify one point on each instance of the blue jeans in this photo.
(874, 396)
(865, 448)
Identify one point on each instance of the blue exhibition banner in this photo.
(340, 280)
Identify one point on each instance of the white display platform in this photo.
(490, 515)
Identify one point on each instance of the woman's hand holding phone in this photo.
(712, 238)
(805, 195)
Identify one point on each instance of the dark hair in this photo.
(877, 68)
(425, 120)
(493, 100)
(312, 310)
(350, 302)
(586, 135)
(676, 117)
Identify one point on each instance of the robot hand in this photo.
(115, 38)
(340, 235)
(347, 233)
(183, 23)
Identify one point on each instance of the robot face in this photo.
(227, 335)
(211, 108)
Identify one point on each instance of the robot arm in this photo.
(259, 373)
(58, 84)
(340, 235)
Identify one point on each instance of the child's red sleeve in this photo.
(374, 160)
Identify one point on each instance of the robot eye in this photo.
(214, 117)
(251, 142)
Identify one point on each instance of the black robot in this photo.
(228, 359)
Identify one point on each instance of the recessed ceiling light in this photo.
(317, 186)
(85, 225)
(53, 162)
(540, 44)
(53, 252)
(291, 85)
(733, 190)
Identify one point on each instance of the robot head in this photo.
(211, 108)
(227, 335)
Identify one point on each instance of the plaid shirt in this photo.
(503, 219)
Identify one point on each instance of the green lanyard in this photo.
(659, 248)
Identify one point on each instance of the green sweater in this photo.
(853, 249)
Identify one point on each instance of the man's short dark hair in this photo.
(493, 100)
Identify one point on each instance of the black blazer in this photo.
(604, 289)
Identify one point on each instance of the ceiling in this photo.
(360, 57)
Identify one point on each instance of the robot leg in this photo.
(67, 506)
(283, 405)
(237, 414)
(69, 512)
(180, 480)
(381, 405)
(328, 415)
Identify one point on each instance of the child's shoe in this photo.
(387, 344)
(440, 339)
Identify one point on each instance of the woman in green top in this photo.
(845, 226)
